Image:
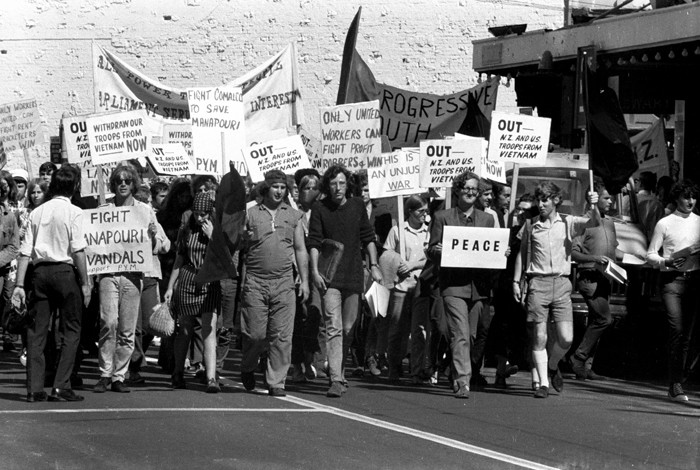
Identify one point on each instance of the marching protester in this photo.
(545, 261)
(677, 238)
(465, 292)
(276, 238)
(649, 207)
(595, 246)
(344, 220)
(189, 300)
(21, 178)
(159, 191)
(9, 246)
(408, 312)
(46, 170)
(120, 294)
(54, 244)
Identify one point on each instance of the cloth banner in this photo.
(650, 148)
(117, 239)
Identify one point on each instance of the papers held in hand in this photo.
(378, 299)
(613, 272)
(691, 255)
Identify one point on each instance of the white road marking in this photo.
(420, 434)
(178, 410)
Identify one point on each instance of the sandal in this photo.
(213, 386)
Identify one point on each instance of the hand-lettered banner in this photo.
(117, 239)
(350, 134)
(495, 171)
(287, 155)
(519, 138)
(394, 174)
(217, 116)
(474, 247)
(179, 134)
(650, 147)
(118, 136)
(313, 148)
(20, 126)
(442, 160)
(409, 117)
(171, 159)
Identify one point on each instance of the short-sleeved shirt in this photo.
(271, 251)
(55, 232)
(550, 252)
(416, 242)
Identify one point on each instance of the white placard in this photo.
(171, 159)
(394, 174)
(443, 160)
(117, 239)
(179, 134)
(119, 136)
(287, 155)
(350, 134)
(20, 125)
(474, 247)
(75, 136)
(519, 138)
(313, 148)
(217, 113)
(495, 171)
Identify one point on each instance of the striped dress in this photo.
(188, 298)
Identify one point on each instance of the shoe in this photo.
(64, 395)
(201, 376)
(383, 363)
(213, 386)
(676, 393)
(298, 376)
(276, 392)
(120, 387)
(478, 381)
(579, 368)
(135, 379)
(500, 381)
(462, 392)
(542, 392)
(358, 372)
(37, 396)
(535, 386)
(433, 380)
(590, 375)
(373, 367)
(556, 379)
(511, 369)
(309, 371)
(177, 380)
(102, 384)
(336, 390)
(248, 379)
(76, 381)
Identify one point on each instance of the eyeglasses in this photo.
(126, 181)
(421, 211)
(468, 190)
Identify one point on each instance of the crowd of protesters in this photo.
(298, 324)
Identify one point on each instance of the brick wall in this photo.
(422, 45)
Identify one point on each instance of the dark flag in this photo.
(348, 56)
(229, 223)
(475, 124)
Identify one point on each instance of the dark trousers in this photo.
(142, 334)
(55, 288)
(680, 295)
(595, 290)
(307, 321)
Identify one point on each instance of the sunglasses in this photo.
(124, 181)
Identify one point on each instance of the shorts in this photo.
(549, 298)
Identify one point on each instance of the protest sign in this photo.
(287, 155)
(90, 182)
(3, 156)
(75, 136)
(179, 134)
(117, 239)
(519, 138)
(442, 160)
(394, 174)
(313, 148)
(170, 159)
(650, 148)
(495, 171)
(20, 125)
(350, 134)
(408, 116)
(217, 123)
(474, 247)
(116, 137)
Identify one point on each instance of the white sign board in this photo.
(170, 159)
(350, 134)
(20, 125)
(117, 239)
(495, 171)
(394, 174)
(179, 134)
(217, 114)
(443, 160)
(519, 138)
(313, 148)
(76, 138)
(474, 247)
(119, 136)
(287, 155)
